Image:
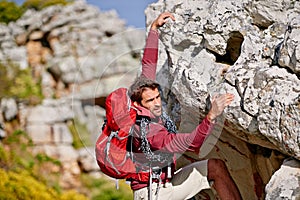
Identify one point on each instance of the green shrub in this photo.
(15, 154)
(25, 86)
(26, 176)
(18, 83)
(72, 195)
(40, 4)
(21, 185)
(6, 81)
(10, 11)
(104, 188)
(80, 133)
(44, 158)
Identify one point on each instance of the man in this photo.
(188, 181)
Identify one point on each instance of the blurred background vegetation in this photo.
(25, 176)
(19, 84)
(22, 174)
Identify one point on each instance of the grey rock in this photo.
(87, 159)
(285, 183)
(9, 108)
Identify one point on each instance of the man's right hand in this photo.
(161, 20)
(219, 102)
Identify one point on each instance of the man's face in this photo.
(152, 101)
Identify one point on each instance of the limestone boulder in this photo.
(247, 48)
(284, 184)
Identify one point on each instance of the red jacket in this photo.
(159, 138)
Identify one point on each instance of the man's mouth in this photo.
(157, 109)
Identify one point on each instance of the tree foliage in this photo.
(10, 11)
(41, 4)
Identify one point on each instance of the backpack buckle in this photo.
(104, 124)
(156, 172)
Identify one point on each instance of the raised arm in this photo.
(161, 139)
(149, 61)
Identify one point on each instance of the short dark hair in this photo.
(139, 86)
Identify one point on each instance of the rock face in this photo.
(46, 125)
(73, 47)
(250, 49)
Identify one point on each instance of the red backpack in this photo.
(111, 153)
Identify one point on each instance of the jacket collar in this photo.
(144, 112)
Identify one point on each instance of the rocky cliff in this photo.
(251, 49)
(248, 48)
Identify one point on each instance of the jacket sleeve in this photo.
(149, 61)
(160, 139)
